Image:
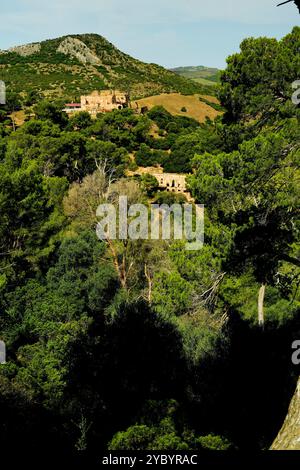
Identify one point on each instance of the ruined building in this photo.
(173, 182)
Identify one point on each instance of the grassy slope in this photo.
(174, 102)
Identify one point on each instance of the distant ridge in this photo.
(199, 73)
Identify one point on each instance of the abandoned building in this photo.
(172, 182)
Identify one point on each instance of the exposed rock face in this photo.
(76, 48)
(26, 50)
(289, 435)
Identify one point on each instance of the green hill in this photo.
(68, 66)
(200, 74)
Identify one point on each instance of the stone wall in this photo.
(173, 182)
(104, 101)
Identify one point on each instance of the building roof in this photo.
(73, 105)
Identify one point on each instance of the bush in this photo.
(165, 197)
(47, 111)
(149, 184)
(134, 438)
(213, 442)
(143, 156)
(160, 116)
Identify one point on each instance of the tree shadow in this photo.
(244, 389)
(135, 358)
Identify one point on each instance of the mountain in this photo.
(200, 74)
(69, 66)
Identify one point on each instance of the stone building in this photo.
(104, 101)
(172, 182)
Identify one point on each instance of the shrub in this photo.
(213, 442)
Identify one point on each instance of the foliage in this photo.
(164, 435)
(141, 344)
(257, 81)
(212, 442)
(149, 184)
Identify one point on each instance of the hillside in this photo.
(204, 75)
(68, 66)
(193, 106)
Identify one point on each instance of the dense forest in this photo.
(142, 344)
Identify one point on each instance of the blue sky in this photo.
(168, 32)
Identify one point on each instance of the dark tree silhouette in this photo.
(297, 2)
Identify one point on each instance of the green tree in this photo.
(149, 184)
(46, 110)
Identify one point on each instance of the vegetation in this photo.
(124, 344)
(207, 76)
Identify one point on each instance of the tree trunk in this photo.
(120, 269)
(289, 435)
(261, 298)
(149, 281)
